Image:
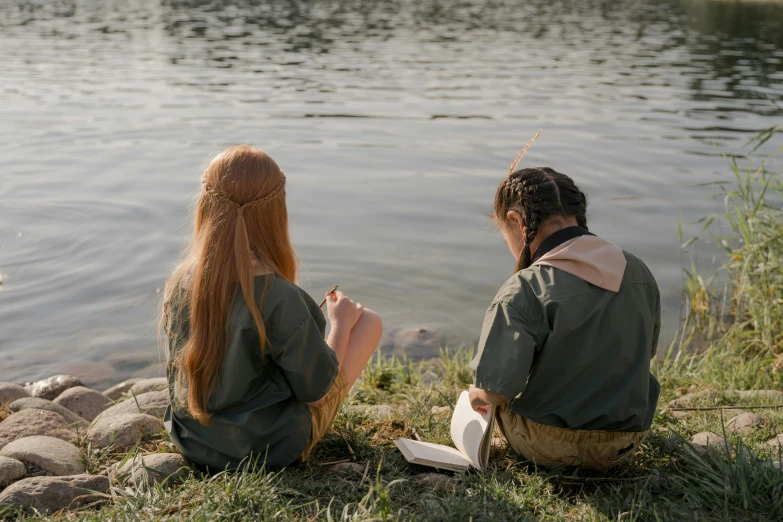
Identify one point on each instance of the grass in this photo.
(731, 340)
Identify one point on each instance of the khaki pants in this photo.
(552, 447)
(324, 414)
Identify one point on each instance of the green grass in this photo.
(732, 340)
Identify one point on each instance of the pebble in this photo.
(35, 403)
(148, 385)
(10, 470)
(92, 373)
(155, 468)
(441, 410)
(50, 494)
(434, 480)
(30, 422)
(123, 430)
(345, 468)
(418, 343)
(118, 390)
(777, 442)
(689, 399)
(745, 423)
(706, 440)
(84, 402)
(151, 403)
(52, 387)
(10, 392)
(53, 455)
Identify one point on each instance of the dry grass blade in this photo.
(524, 150)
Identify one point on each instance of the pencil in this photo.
(324, 301)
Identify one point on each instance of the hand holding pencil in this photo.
(343, 313)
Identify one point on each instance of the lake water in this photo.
(394, 120)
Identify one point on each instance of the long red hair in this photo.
(240, 216)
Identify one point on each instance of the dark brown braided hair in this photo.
(538, 194)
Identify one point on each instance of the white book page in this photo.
(431, 454)
(468, 428)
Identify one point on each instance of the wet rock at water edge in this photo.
(418, 343)
(123, 430)
(10, 470)
(53, 455)
(151, 403)
(10, 392)
(91, 373)
(50, 494)
(84, 402)
(31, 422)
(52, 387)
(707, 440)
(155, 468)
(689, 399)
(148, 385)
(118, 390)
(745, 423)
(72, 420)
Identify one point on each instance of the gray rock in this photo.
(118, 390)
(34, 403)
(50, 494)
(10, 392)
(91, 373)
(84, 402)
(745, 423)
(148, 385)
(345, 468)
(155, 468)
(777, 442)
(30, 422)
(52, 387)
(151, 403)
(434, 481)
(50, 454)
(10, 470)
(706, 440)
(418, 343)
(689, 399)
(761, 395)
(123, 430)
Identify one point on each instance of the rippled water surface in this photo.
(394, 121)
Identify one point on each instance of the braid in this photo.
(537, 194)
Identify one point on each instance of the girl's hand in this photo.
(478, 400)
(343, 313)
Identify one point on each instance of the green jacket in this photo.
(258, 409)
(570, 339)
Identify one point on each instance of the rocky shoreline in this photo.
(63, 445)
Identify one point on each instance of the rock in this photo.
(30, 422)
(441, 410)
(682, 415)
(84, 402)
(35, 403)
(690, 398)
(52, 387)
(777, 442)
(345, 468)
(50, 494)
(91, 373)
(10, 470)
(418, 343)
(155, 468)
(118, 390)
(53, 455)
(706, 440)
(745, 423)
(148, 385)
(433, 481)
(10, 392)
(382, 411)
(151, 403)
(123, 430)
(761, 395)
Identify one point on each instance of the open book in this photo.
(471, 433)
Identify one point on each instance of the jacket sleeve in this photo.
(506, 348)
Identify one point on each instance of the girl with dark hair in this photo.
(566, 345)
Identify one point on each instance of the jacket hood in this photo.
(591, 259)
